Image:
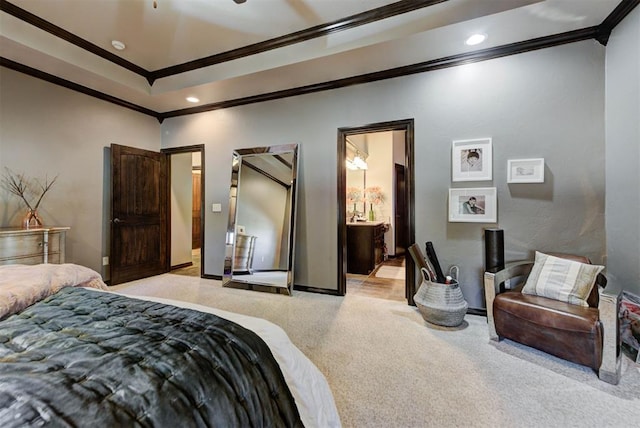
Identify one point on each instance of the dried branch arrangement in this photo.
(24, 188)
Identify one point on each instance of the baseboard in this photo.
(208, 276)
(180, 266)
(316, 290)
(257, 287)
(477, 311)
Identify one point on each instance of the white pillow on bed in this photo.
(561, 279)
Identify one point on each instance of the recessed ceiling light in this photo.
(117, 44)
(476, 39)
(193, 99)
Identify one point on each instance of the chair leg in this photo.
(610, 367)
(489, 295)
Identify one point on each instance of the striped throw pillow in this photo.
(561, 279)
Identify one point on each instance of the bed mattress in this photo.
(90, 353)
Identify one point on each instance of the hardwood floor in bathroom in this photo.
(379, 287)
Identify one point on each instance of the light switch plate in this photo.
(216, 208)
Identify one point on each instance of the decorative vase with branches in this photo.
(28, 189)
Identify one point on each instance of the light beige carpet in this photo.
(388, 368)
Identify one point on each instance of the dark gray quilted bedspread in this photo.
(83, 358)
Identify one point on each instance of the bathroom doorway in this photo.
(375, 220)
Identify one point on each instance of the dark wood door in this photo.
(138, 214)
(401, 211)
(195, 211)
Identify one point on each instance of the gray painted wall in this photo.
(48, 130)
(623, 154)
(547, 103)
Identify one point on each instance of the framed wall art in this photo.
(473, 205)
(525, 170)
(471, 160)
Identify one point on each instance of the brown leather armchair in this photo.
(583, 335)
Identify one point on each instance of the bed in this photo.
(73, 353)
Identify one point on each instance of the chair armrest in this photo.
(608, 308)
(511, 270)
(492, 281)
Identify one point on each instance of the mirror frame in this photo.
(235, 281)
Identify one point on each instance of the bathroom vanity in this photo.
(365, 246)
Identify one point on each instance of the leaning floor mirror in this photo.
(260, 237)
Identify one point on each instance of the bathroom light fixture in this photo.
(359, 162)
(476, 39)
(356, 164)
(193, 99)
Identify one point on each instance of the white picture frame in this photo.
(525, 170)
(471, 160)
(473, 205)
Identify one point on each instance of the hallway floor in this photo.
(194, 269)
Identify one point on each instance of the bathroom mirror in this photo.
(356, 176)
(260, 236)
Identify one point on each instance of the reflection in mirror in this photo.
(356, 183)
(356, 178)
(260, 236)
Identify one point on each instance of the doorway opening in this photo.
(376, 210)
(186, 212)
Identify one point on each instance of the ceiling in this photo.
(225, 53)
